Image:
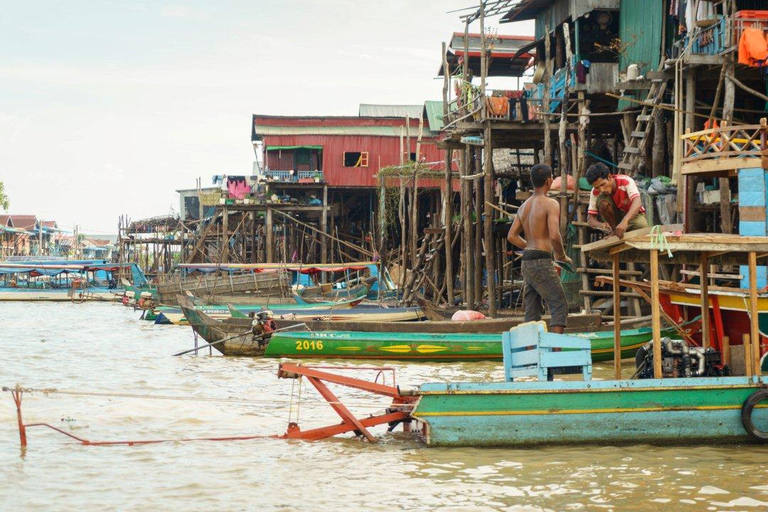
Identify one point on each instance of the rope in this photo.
(52, 391)
(659, 241)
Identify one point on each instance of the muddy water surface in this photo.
(104, 348)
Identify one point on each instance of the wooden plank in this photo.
(655, 316)
(752, 213)
(631, 149)
(626, 167)
(720, 165)
(644, 118)
(638, 135)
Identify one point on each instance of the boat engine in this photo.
(680, 360)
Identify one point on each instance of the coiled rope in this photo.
(659, 241)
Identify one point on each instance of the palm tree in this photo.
(5, 203)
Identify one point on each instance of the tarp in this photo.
(14, 230)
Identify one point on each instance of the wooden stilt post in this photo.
(270, 238)
(403, 245)
(753, 358)
(564, 154)
(547, 76)
(706, 335)
(488, 203)
(448, 194)
(225, 236)
(616, 319)
(478, 232)
(324, 227)
(655, 314)
(466, 206)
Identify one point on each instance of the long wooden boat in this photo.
(586, 322)
(229, 286)
(166, 315)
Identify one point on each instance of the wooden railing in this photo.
(719, 148)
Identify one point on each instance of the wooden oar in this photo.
(211, 344)
(256, 337)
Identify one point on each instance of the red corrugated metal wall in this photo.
(382, 152)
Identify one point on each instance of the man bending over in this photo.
(616, 198)
(539, 218)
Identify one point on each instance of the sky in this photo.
(108, 107)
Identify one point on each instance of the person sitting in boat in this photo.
(539, 218)
(263, 326)
(616, 199)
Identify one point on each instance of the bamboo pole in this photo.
(655, 315)
(616, 319)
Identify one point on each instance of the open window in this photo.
(355, 159)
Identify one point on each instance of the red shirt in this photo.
(626, 191)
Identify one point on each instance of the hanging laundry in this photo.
(753, 48)
(237, 187)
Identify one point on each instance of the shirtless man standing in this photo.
(539, 218)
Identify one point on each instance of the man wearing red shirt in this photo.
(616, 198)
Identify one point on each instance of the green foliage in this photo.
(5, 203)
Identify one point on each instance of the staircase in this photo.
(634, 150)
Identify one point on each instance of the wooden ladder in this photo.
(634, 150)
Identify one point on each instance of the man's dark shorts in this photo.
(542, 282)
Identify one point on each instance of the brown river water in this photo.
(104, 348)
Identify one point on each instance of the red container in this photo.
(751, 14)
(748, 19)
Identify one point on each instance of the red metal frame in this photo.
(399, 410)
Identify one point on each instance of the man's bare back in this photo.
(539, 218)
(534, 215)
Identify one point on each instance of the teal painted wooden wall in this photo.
(644, 19)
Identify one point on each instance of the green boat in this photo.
(233, 337)
(434, 347)
(175, 315)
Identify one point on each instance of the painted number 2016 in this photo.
(309, 345)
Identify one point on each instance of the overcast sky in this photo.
(107, 107)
